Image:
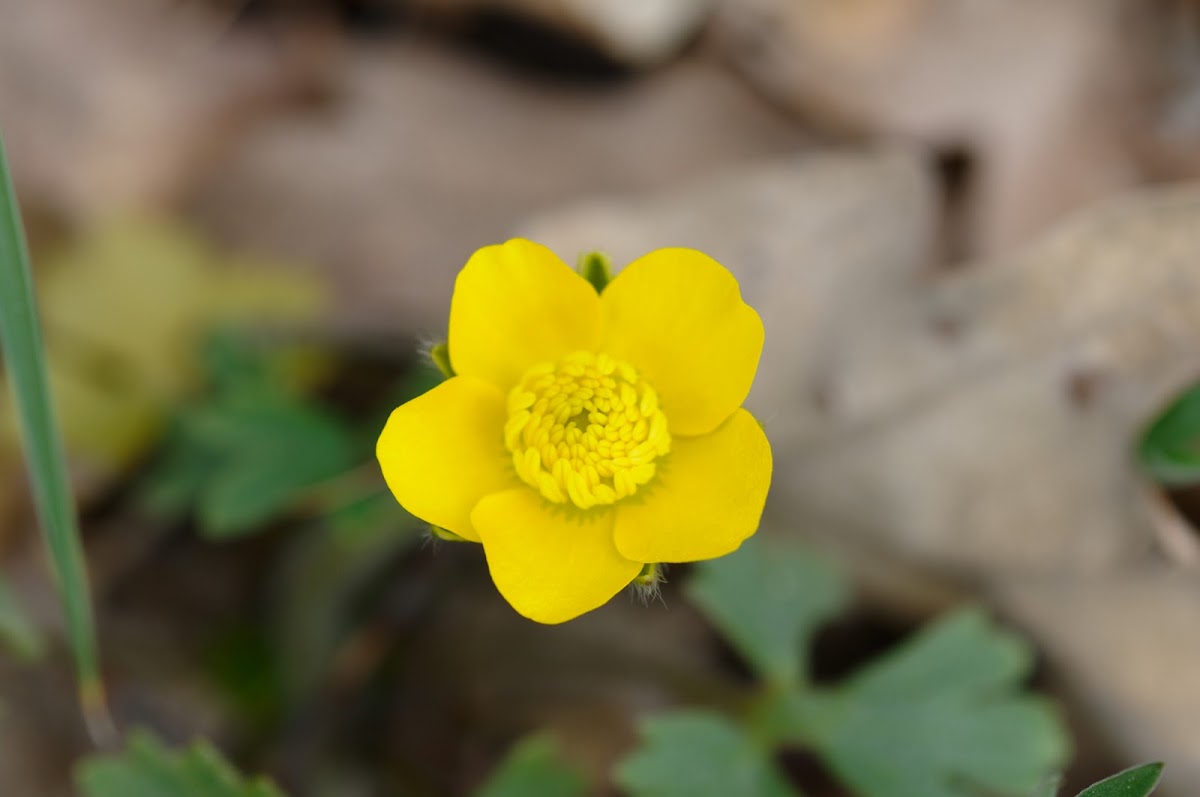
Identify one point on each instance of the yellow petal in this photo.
(707, 496)
(444, 450)
(516, 305)
(678, 317)
(551, 563)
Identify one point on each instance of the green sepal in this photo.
(446, 534)
(650, 575)
(439, 355)
(596, 268)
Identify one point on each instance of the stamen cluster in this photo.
(585, 429)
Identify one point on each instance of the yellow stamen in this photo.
(586, 430)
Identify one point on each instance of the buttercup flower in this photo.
(587, 434)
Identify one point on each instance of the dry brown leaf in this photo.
(1051, 100)
(982, 422)
(427, 157)
(980, 425)
(120, 105)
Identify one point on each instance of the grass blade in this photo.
(24, 359)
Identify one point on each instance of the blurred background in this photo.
(967, 224)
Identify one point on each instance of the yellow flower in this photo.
(585, 434)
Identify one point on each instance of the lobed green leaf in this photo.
(700, 754)
(768, 600)
(942, 716)
(243, 459)
(534, 768)
(146, 768)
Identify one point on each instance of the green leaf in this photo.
(25, 362)
(253, 446)
(126, 306)
(244, 459)
(175, 481)
(279, 452)
(534, 768)
(1170, 448)
(768, 600)
(1133, 782)
(146, 768)
(942, 716)
(16, 631)
(700, 754)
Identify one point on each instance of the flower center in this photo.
(585, 429)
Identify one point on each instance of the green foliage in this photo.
(1133, 782)
(254, 449)
(700, 754)
(534, 768)
(25, 363)
(1170, 448)
(768, 601)
(146, 768)
(250, 450)
(17, 633)
(126, 306)
(246, 459)
(942, 716)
